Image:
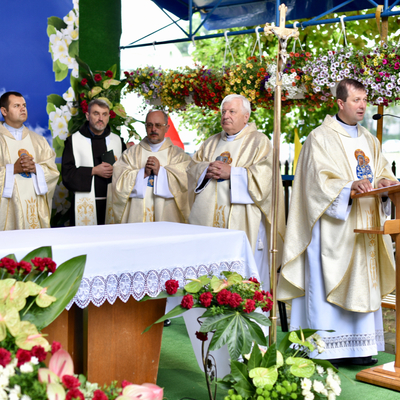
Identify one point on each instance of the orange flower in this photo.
(297, 77)
(292, 70)
(291, 54)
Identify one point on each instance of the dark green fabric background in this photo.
(99, 33)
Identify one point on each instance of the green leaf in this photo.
(73, 50)
(255, 358)
(286, 343)
(12, 256)
(196, 284)
(56, 99)
(245, 389)
(74, 84)
(58, 23)
(269, 358)
(63, 285)
(164, 295)
(58, 146)
(325, 364)
(42, 252)
(85, 67)
(50, 108)
(75, 123)
(256, 332)
(260, 318)
(239, 371)
(113, 69)
(60, 70)
(51, 30)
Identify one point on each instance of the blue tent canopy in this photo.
(224, 14)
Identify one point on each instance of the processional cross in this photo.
(283, 34)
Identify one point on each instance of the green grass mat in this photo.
(180, 375)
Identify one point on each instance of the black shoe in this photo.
(167, 322)
(367, 361)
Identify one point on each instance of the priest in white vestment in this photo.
(28, 171)
(149, 180)
(230, 182)
(335, 278)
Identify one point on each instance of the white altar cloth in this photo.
(136, 259)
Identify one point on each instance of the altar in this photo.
(102, 329)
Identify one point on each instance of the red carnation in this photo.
(9, 264)
(82, 95)
(25, 267)
(126, 73)
(5, 357)
(55, 346)
(51, 265)
(83, 81)
(171, 286)
(38, 263)
(223, 297)
(206, 298)
(258, 296)
(99, 395)
(109, 73)
(39, 352)
(235, 300)
(202, 336)
(112, 114)
(250, 306)
(74, 394)
(254, 280)
(98, 78)
(125, 383)
(70, 382)
(23, 356)
(268, 307)
(84, 106)
(187, 301)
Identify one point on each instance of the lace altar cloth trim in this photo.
(98, 289)
(354, 340)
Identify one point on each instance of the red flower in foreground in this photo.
(99, 395)
(258, 296)
(223, 297)
(23, 356)
(55, 346)
(70, 382)
(125, 383)
(253, 280)
(109, 73)
(206, 298)
(25, 267)
(98, 78)
(235, 300)
(202, 336)
(5, 357)
(250, 306)
(268, 307)
(112, 114)
(74, 394)
(9, 264)
(187, 301)
(82, 95)
(83, 81)
(171, 286)
(39, 352)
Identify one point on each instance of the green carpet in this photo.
(180, 375)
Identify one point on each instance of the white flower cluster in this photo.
(330, 389)
(14, 393)
(316, 341)
(60, 202)
(61, 40)
(287, 82)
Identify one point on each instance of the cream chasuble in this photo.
(23, 182)
(85, 203)
(25, 209)
(151, 207)
(357, 269)
(251, 150)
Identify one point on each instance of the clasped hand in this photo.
(218, 170)
(364, 185)
(104, 170)
(152, 165)
(24, 164)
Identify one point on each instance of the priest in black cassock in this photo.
(87, 167)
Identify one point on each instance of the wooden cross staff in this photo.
(283, 34)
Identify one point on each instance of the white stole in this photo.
(23, 182)
(85, 203)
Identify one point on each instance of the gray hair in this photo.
(98, 102)
(246, 107)
(165, 114)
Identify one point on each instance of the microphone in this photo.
(379, 116)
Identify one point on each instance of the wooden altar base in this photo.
(386, 375)
(106, 343)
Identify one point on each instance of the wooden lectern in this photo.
(387, 375)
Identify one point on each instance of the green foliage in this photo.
(29, 385)
(56, 22)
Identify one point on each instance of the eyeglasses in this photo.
(158, 126)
